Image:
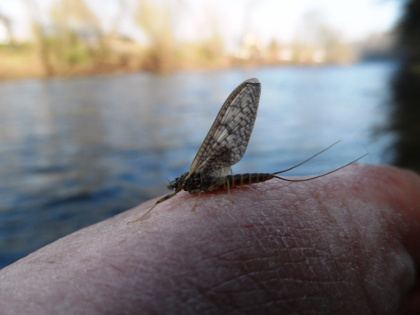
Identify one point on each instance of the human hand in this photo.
(346, 243)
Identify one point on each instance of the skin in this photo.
(346, 243)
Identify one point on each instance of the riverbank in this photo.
(31, 61)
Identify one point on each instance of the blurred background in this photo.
(101, 102)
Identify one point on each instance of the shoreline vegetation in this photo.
(121, 55)
(72, 41)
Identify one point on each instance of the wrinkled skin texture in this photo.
(346, 243)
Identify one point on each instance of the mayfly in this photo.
(225, 145)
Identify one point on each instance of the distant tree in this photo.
(273, 50)
(77, 32)
(122, 8)
(40, 37)
(212, 38)
(72, 36)
(315, 37)
(7, 23)
(158, 20)
(409, 31)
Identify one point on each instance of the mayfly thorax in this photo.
(225, 145)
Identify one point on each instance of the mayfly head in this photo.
(178, 182)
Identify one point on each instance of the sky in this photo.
(280, 18)
(267, 19)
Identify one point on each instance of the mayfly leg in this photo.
(157, 202)
(197, 200)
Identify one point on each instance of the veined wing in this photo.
(227, 140)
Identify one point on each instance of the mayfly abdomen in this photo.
(231, 181)
(248, 179)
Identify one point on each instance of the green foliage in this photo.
(77, 55)
(16, 48)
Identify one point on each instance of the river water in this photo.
(78, 150)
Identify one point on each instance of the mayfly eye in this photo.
(172, 184)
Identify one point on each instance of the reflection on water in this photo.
(76, 151)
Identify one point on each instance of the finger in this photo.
(340, 243)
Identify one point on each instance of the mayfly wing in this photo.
(227, 140)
